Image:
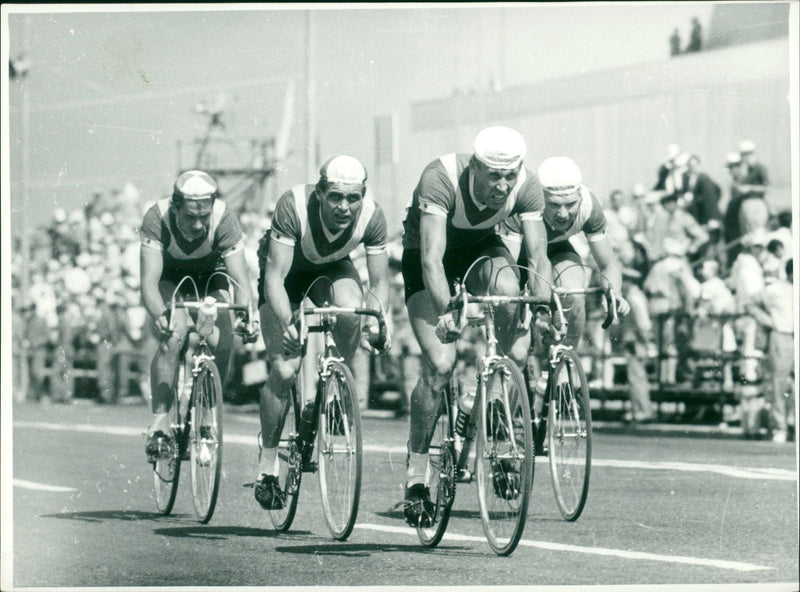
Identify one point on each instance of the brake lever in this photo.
(611, 303)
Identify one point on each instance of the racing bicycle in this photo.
(196, 420)
(332, 421)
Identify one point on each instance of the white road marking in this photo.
(41, 486)
(636, 555)
(763, 473)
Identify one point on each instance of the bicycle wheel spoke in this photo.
(206, 440)
(569, 436)
(339, 451)
(504, 458)
(441, 481)
(289, 471)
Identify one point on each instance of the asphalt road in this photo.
(662, 510)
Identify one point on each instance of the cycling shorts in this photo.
(298, 280)
(456, 263)
(556, 252)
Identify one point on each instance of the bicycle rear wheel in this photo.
(504, 457)
(569, 435)
(289, 467)
(167, 471)
(339, 451)
(205, 440)
(441, 480)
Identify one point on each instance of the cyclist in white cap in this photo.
(570, 208)
(315, 227)
(450, 224)
(192, 233)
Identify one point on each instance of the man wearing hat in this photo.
(315, 227)
(450, 225)
(190, 234)
(753, 209)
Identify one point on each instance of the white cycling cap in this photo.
(344, 170)
(559, 175)
(195, 185)
(673, 150)
(732, 158)
(746, 146)
(500, 147)
(682, 159)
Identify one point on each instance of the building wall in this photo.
(617, 124)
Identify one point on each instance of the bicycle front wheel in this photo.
(289, 467)
(504, 457)
(339, 451)
(167, 471)
(569, 435)
(205, 440)
(441, 480)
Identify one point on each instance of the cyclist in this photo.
(570, 208)
(190, 234)
(450, 223)
(315, 227)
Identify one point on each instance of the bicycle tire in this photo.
(339, 444)
(502, 467)
(167, 471)
(569, 435)
(205, 440)
(441, 478)
(289, 466)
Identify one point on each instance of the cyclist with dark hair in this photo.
(191, 234)
(315, 227)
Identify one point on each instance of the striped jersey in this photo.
(297, 222)
(201, 255)
(446, 189)
(590, 219)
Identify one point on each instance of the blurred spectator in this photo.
(773, 310)
(700, 197)
(675, 43)
(754, 212)
(663, 182)
(746, 280)
(732, 231)
(715, 298)
(673, 232)
(695, 36)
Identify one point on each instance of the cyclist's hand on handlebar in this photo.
(291, 342)
(248, 331)
(372, 335)
(623, 308)
(162, 327)
(447, 329)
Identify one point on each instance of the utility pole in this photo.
(19, 70)
(311, 123)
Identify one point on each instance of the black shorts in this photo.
(170, 279)
(556, 252)
(299, 279)
(456, 263)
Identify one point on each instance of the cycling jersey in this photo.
(200, 256)
(297, 222)
(589, 219)
(446, 189)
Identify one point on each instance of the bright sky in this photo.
(111, 92)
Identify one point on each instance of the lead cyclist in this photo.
(190, 234)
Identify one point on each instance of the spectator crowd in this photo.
(708, 267)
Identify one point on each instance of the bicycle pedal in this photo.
(310, 467)
(464, 476)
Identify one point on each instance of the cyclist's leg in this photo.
(345, 291)
(568, 273)
(164, 366)
(221, 340)
(496, 276)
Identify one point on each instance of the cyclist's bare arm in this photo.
(433, 240)
(378, 271)
(151, 266)
(608, 262)
(534, 236)
(236, 265)
(279, 262)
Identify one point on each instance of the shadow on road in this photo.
(367, 549)
(398, 514)
(219, 532)
(104, 515)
